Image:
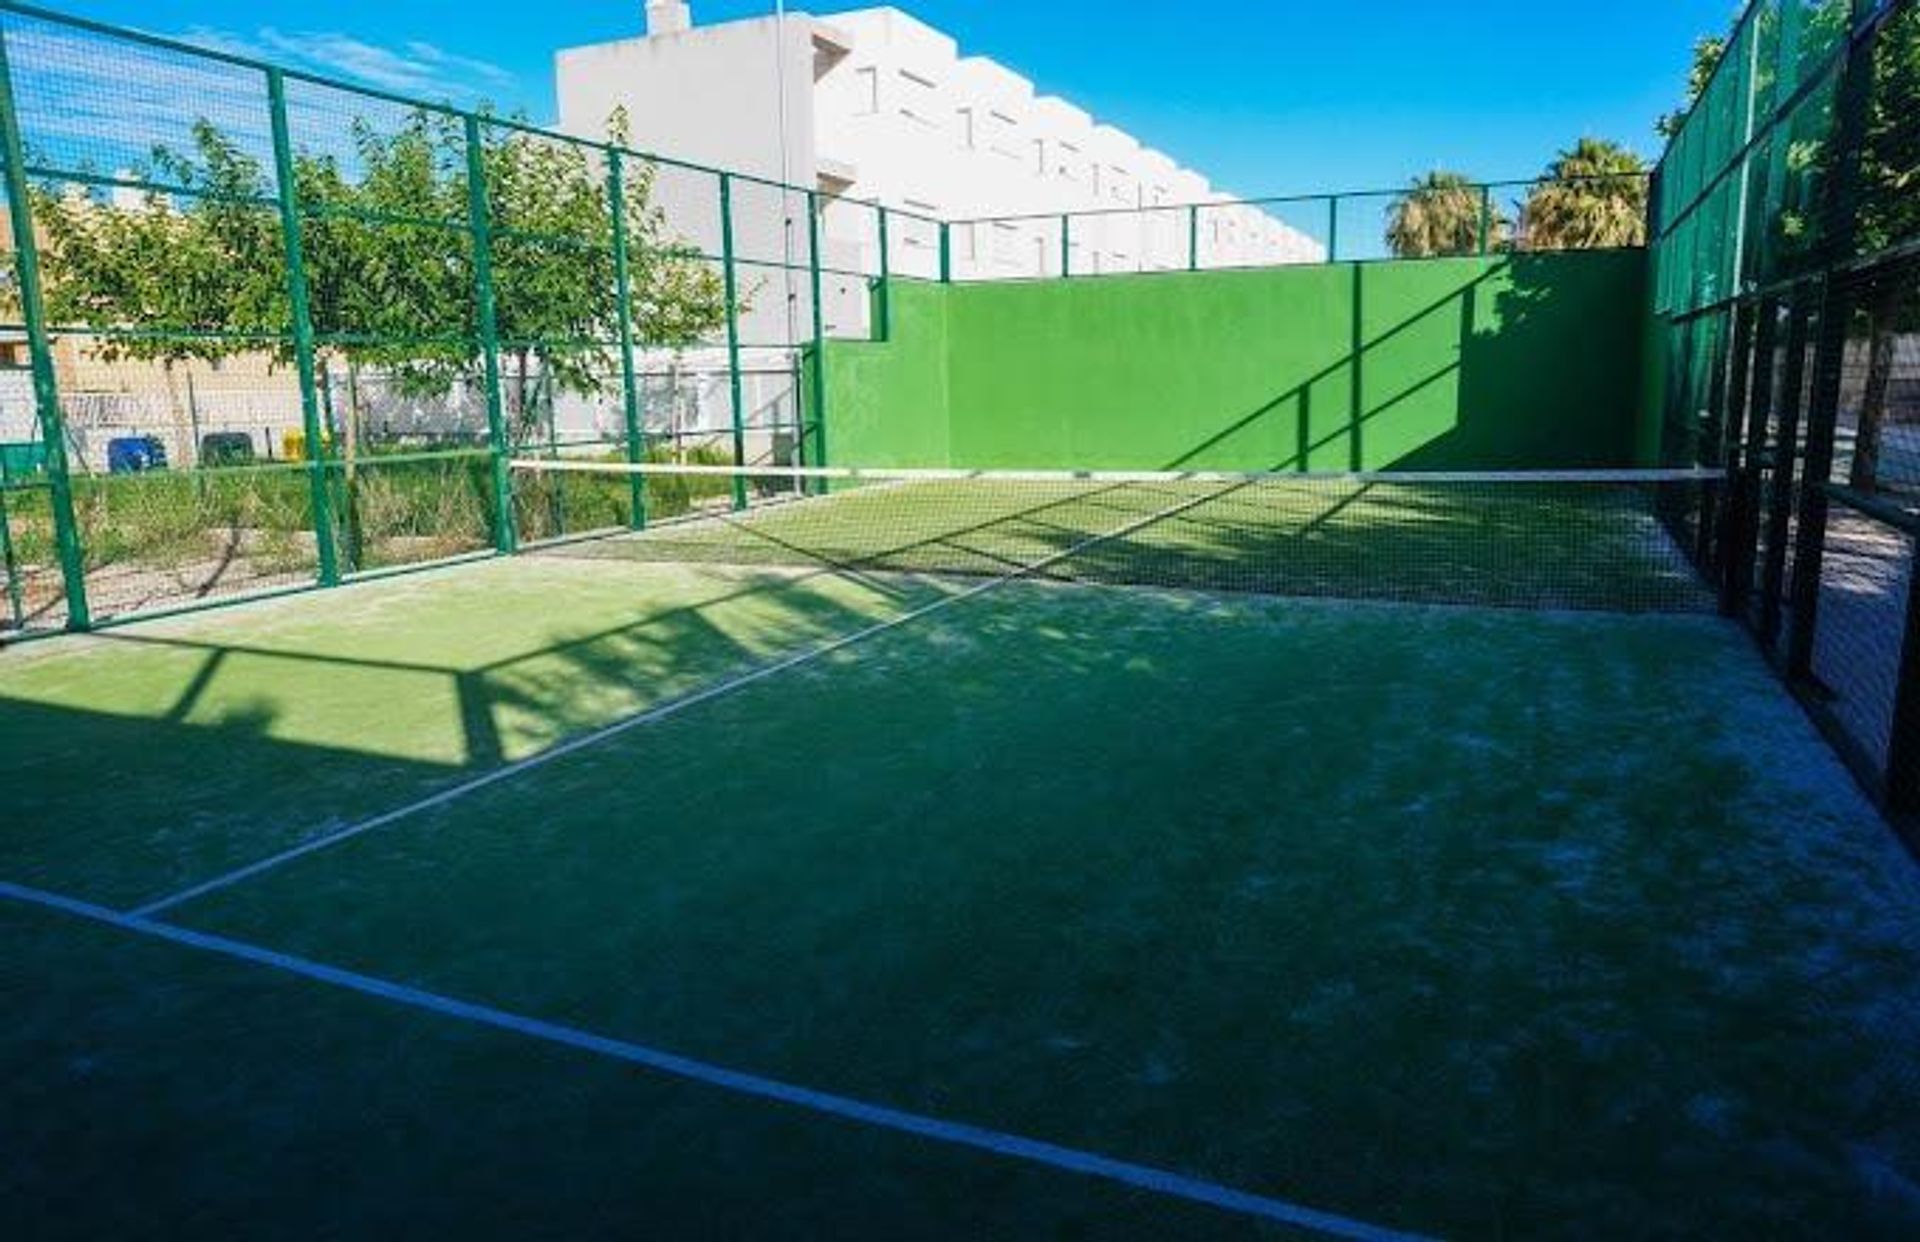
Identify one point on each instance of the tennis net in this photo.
(1603, 540)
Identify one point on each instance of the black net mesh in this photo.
(1787, 228)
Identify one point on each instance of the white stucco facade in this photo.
(873, 104)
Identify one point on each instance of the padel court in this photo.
(1034, 856)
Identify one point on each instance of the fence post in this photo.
(479, 221)
(299, 297)
(1333, 228)
(1773, 573)
(819, 385)
(1193, 238)
(736, 394)
(1853, 97)
(1822, 417)
(1066, 246)
(46, 389)
(636, 440)
(946, 253)
(885, 326)
(1735, 552)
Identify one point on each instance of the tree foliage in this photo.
(198, 270)
(1440, 214)
(1707, 53)
(1593, 195)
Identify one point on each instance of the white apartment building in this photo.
(873, 104)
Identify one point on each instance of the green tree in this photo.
(1593, 195)
(1888, 214)
(1707, 52)
(199, 273)
(168, 276)
(1440, 214)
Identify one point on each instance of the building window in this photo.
(869, 88)
(969, 137)
(1040, 157)
(918, 99)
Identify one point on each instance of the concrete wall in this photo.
(1524, 362)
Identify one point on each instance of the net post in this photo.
(1193, 238)
(1066, 246)
(884, 328)
(819, 377)
(1486, 219)
(736, 394)
(299, 298)
(46, 390)
(946, 253)
(480, 229)
(1333, 228)
(636, 442)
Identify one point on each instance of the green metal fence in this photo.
(283, 331)
(1787, 294)
(1455, 219)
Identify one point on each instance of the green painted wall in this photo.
(887, 400)
(1503, 363)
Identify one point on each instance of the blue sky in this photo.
(1265, 96)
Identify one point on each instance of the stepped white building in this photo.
(873, 104)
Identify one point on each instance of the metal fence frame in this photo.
(1733, 310)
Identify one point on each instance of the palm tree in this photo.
(1440, 214)
(1594, 195)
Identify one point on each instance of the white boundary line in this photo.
(878, 1116)
(883, 475)
(160, 905)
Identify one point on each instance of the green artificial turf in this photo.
(139, 760)
(153, 1092)
(1463, 922)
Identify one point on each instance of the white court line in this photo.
(160, 905)
(879, 1116)
(885, 474)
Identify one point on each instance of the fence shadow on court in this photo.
(196, 752)
(1500, 372)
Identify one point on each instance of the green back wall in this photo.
(1519, 362)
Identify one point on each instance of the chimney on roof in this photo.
(665, 17)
